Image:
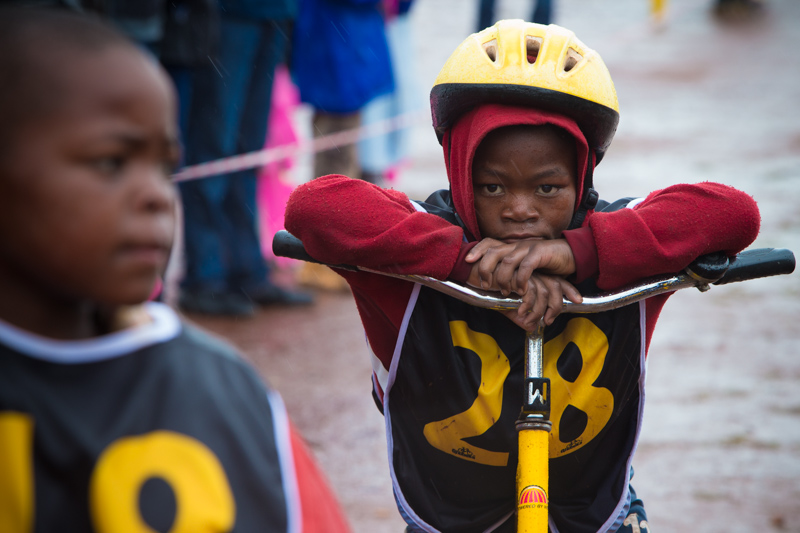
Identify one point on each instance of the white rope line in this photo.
(319, 144)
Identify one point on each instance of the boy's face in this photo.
(523, 179)
(86, 202)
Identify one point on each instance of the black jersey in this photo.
(455, 390)
(157, 428)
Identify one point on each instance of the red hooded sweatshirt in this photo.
(346, 221)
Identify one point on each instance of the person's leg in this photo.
(341, 159)
(248, 274)
(739, 10)
(542, 12)
(485, 14)
(182, 78)
(219, 90)
(248, 267)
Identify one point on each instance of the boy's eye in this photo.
(109, 165)
(492, 189)
(548, 190)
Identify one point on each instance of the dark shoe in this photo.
(739, 10)
(216, 303)
(274, 295)
(373, 177)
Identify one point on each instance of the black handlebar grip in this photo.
(710, 267)
(284, 244)
(759, 263)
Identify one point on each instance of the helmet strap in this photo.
(589, 198)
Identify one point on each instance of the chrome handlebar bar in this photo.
(716, 269)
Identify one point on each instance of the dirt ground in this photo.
(720, 449)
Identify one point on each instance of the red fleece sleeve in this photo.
(347, 221)
(462, 269)
(670, 229)
(584, 251)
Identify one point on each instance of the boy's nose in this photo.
(521, 208)
(158, 192)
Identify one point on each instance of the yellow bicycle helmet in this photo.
(520, 63)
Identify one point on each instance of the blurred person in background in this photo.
(225, 271)
(542, 13)
(382, 156)
(739, 10)
(339, 61)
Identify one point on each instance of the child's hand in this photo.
(544, 298)
(509, 267)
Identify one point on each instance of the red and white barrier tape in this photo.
(319, 144)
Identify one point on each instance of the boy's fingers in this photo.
(480, 249)
(544, 297)
(572, 294)
(556, 301)
(529, 263)
(486, 268)
(540, 304)
(515, 318)
(504, 274)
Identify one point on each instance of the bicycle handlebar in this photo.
(716, 269)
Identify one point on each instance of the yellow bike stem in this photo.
(533, 426)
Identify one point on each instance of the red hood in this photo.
(463, 138)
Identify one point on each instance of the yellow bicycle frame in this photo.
(533, 425)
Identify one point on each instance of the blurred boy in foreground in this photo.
(113, 413)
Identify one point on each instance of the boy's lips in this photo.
(156, 253)
(520, 237)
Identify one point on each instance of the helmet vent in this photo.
(573, 58)
(491, 49)
(532, 47)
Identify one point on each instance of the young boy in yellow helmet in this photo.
(114, 414)
(524, 112)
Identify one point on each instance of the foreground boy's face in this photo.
(86, 202)
(524, 180)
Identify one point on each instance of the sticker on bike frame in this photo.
(532, 496)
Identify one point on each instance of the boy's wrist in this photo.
(462, 270)
(584, 250)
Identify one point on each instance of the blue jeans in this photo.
(542, 13)
(228, 112)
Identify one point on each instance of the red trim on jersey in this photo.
(319, 508)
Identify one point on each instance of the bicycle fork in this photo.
(533, 427)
